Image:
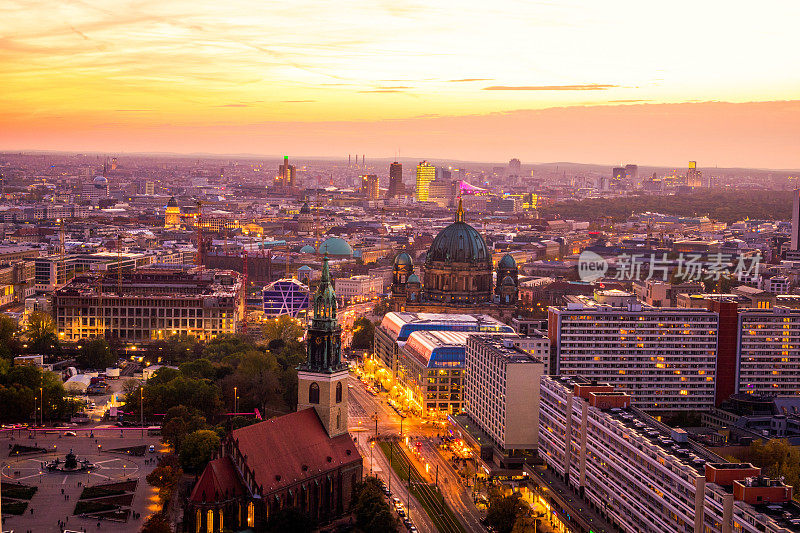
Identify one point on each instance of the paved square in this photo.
(49, 505)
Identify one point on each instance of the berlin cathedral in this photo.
(457, 276)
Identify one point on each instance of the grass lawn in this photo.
(83, 507)
(18, 492)
(15, 508)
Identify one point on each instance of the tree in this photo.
(363, 334)
(370, 508)
(180, 421)
(156, 524)
(283, 328)
(504, 511)
(776, 458)
(197, 449)
(41, 334)
(96, 354)
(9, 343)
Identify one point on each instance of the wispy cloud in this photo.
(629, 101)
(469, 79)
(586, 87)
(233, 105)
(296, 101)
(382, 91)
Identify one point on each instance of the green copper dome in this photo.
(507, 262)
(458, 243)
(335, 246)
(403, 259)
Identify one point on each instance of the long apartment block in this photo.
(646, 477)
(665, 358)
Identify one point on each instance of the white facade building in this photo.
(769, 351)
(498, 394)
(647, 478)
(359, 288)
(664, 357)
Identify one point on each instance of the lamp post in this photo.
(141, 408)
(235, 401)
(41, 402)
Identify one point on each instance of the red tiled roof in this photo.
(290, 448)
(218, 477)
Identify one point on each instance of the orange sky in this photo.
(605, 82)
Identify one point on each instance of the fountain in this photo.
(70, 465)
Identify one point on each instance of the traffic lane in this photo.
(418, 515)
(458, 497)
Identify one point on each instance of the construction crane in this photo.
(61, 251)
(119, 264)
(199, 227)
(244, 289)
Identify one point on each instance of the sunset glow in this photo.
(314, 77)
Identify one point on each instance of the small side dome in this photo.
(508, 281)
(304, 268)
(507, 262)
(413, 278)
(172, 202)
(308, 249)
(403, 259)
(305, 210)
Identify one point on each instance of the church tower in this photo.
(172, 215)
(322, 379)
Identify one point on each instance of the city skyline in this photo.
(552, 82)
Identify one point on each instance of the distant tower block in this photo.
(348, 159)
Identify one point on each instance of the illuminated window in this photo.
(251, 515)
(210, 521)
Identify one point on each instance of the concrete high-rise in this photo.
(632, 175)
(370, 186)
(426, 173)
(694, 178)
(396, 187)
(286, 173)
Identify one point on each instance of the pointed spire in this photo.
(325, 279)
(460, 212)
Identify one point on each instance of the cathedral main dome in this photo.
(458, 266)
(458, 243)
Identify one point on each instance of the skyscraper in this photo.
(370, 186)
(426, 173)
(795, 243)
(693, 175)
(286, 173)
(632, 175)
(618, 176)
(514, 167)
(396, 187)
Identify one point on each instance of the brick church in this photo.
(305, 460)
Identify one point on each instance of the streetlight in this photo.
(141, 408)
(235, 401)
(41, 401)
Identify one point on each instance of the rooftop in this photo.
(503, 346)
